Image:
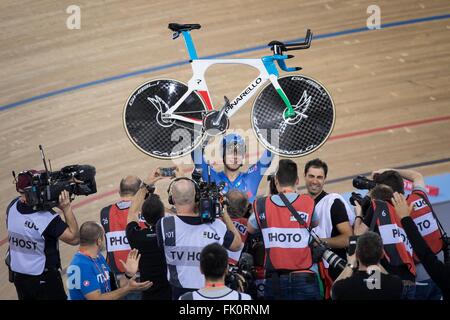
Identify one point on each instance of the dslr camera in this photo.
(243, 275)
(361, 183)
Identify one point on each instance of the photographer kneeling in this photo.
(185, 234)
(214, 266)
(364, 278)
(33, 255)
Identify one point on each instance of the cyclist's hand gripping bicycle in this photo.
(291, 116)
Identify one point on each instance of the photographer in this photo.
(237, 208)
(152, 265)
(233, 151)
(214, 266)
(290, 271)
(425, 219)
(113, 218)
(185, 234)
(33, 256)
(89, 276)
(381, 218)
(439, 272)
(364, 278)
(335, 215)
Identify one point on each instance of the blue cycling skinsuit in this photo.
(247, 182)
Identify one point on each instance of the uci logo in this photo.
(419, 204)
(30, 224)
(383, 213)
(211, 235)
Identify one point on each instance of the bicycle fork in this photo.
(289, 112)
(269, 63)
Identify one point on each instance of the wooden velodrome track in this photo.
(390, 86)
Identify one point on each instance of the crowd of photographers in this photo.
(211, 242)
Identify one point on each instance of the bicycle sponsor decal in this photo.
(300, 108)
(159, 104)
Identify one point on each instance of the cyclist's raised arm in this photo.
(257, 171)
(265, 161)
(200, 163)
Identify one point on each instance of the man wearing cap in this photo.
(33, 255)
(233, 151)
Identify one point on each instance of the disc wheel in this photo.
(150, 132)
(300, 135)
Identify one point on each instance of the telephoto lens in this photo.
(362, 183)
(334, 260)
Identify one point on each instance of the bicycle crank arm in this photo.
(217, 120)
(166, 116)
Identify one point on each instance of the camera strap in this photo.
(293, 211)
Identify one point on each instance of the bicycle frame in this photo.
(267, 71)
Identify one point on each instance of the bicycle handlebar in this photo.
(283, 66)
(278, 47)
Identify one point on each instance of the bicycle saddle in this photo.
(183, 27)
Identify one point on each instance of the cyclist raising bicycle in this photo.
(233, 151)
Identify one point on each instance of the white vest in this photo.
(322, 211)
(236, 255)
(26, 243)
(182, 246)
(232, 295)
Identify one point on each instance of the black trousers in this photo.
(47, 286)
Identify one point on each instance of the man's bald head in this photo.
(90, 232)
(129, 186)
(183, 192)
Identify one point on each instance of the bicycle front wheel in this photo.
(150, 132)
(299, 135)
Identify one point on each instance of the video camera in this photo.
(210, 200)
(46, 186)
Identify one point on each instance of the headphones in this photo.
(169, 190)
(24, 179)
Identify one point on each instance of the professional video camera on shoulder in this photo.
(210, 198)
(46, 186)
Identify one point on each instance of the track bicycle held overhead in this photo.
(291, 116)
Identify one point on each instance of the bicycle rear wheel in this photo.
(307, 131)
(158, 137)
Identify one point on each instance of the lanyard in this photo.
(214, 285)
(102, 271)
